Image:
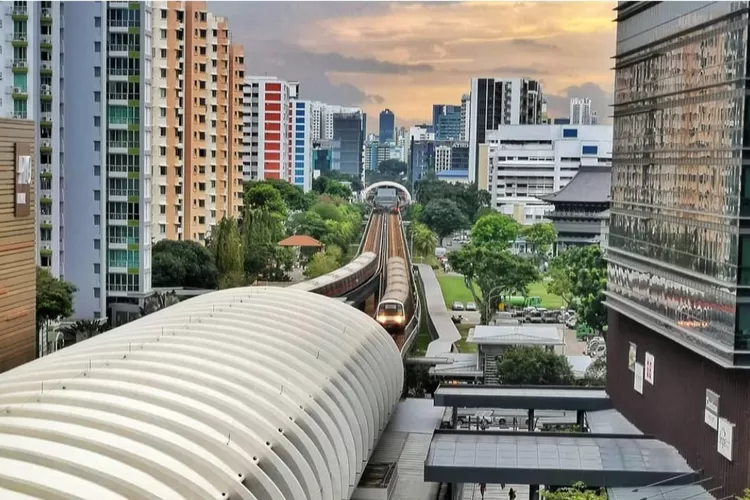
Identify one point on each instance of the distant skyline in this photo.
(406, 56)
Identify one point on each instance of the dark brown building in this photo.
(17, 242)
(678, 344)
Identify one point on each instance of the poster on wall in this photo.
(711, 416)
(23, 180)
(648, 367)
(725, 444)
(631, 356)
(638, 379)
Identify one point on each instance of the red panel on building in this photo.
(273, 127)
(272, 146)
(273, 136)
(273, 97)
(273, 87)
(272, 166)
(273, 106)
(273, 117)
(273, 155)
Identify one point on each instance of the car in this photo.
(458, 306)
(471, 306)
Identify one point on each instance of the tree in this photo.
(577, 492)
(495, 272)
(469, 198)
(444, 217)
(746, 494)
(54, 298)
(320, 184)
(596, 373)
(81, 330)
(540, 237)
(424, 240)
(559, 283)
(158, 301)
(323, 262)
(261, 232)
(183, 264)
(265, 197)
(335, 188)
(586, 271)
(495, 230)
(533, 365)
(226, 247)
(392, 167)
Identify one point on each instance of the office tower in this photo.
(17, 243)
(465, 113)
(266, 127)
(348, 139)
(679, 250)
(495, 102)
(302, 144)
(446, 122)
(581, 113)
(387, 125)
(529, 161)
(196, 179)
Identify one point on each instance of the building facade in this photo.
(451, 155)
(446, 122)
(197, 176)
(18, 231)
(495, 102)
(581, 112)
(387, 126)
(526, 162)
(678, 282)
(348, 138)
(301, 119)
(465, 114)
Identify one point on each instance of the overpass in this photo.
(372, 189)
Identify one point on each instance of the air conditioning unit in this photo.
(46, 143)
(46, 88)
(46, 65)
(17, 90)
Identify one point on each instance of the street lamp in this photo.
(489, 301)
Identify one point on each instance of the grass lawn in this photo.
(461, 345)
(454, 289)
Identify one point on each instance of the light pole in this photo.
(488, 302)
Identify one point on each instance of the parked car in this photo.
(458, 306)
(471, 306)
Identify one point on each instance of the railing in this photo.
(412, 327)
(115, 240)
(119, 47)
(123, 144)
(116, 216)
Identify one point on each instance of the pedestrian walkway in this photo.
(495, 492)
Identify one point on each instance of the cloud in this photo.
(559, 105)
(519, 71)
(534, 44)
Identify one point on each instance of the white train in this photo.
(394, 310)
(344, 279)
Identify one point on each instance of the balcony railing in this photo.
(117, 96)
(117, 216)
(123, 72)
(123, 144)
(46, 39)
(122, 23)
(115, 240)
(20, 63)
(18, 10)
(19, 37)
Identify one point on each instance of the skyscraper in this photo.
(446, 122)
(679, 250)
(581, 112)
(348, 138)
(465, 113)
(494, 102)
(387, 126)
(302, 171)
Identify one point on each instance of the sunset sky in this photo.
(408, 55)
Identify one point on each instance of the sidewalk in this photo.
(495, 492)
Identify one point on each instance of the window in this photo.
(163, 72)
(744, 264)
(163, 13)
(97, 96)
(97, 47)
(97, 292)
(163, 34)
(97, 195)
(97, 268)
(97, 22)
(97, 170)
(97, 71)
(97, 219)
(97, 121)
(570, 133)
(590, 150)
(97, 146)
(97, 244)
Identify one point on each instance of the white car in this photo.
(471, 306)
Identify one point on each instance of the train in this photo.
(394, 309)
(344, 279)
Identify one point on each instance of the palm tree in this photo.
(81, 330)
(159, 301)
(423, 240)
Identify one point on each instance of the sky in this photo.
(406, 56)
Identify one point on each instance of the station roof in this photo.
(693, 492)
(523, 397)
(238, 394)
(516, 334)
(553, 458)
(590, 185)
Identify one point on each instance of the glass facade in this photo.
(677, 175)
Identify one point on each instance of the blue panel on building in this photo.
(299, 180)
(300, 127)
(300, 135)
(590, 150)
(570, 132)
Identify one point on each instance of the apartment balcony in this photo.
(19, 94)
(18, 39)
(117, 99)
(118, 74)
(45, 120)
(45, 170)
(45, 250)
(45, 68)
(45, 146)
(19, 65)
(19, 13)
(45, 93)
(117, 5)
(118, 50)
(45, 42)
(46, 16)
(45, 193)
(117, 219)
(45, 222)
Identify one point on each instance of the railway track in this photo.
(374, 234)
(398, 286)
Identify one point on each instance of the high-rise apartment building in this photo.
(495, 102)
(465, 113)
(387, 126)
(197, 168)
(581, 112)
(348, 139)
(446, 122)
(679, 242)
(302, 144)
(266, 127)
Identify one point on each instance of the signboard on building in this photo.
(648, 367)
(725, 444)
(631, 356)
(711, 415)
(23, 180)
(638, 379)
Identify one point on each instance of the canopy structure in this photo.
(300, 240)
(237, 394)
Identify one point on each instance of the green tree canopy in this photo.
(323, 262)
(54, 297)
(264, 196)
(293, 197)
(533, 365)
(444, 217)
(495, 230)
(226, 247)
(392, 167)
(540, 237)
(183, 264)
(261, 232)
(337, 189)
(469, 198)
(82, 330)
(424, 240)
(495, 272)
(577, 492)
(584, 271)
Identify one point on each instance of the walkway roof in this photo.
(524, 397)
(239, 394)
(553, 458)
(438, 314)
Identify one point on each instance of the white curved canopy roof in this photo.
(390, 184)
(248, 393)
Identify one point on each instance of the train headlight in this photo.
(399, 319)
(381, 318)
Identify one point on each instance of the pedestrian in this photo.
(482, 489)
(502, 486)
(512, 494)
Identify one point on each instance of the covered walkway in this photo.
(437, 314)
(247, 393)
